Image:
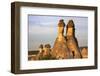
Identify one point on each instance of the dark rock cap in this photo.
(47, 46)
(70, 24)
(61, 23)
(41, 46)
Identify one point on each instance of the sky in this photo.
(43, 30)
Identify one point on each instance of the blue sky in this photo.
(43, 29)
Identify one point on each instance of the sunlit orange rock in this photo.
(84, 53)
(60, 49)
(44, 52)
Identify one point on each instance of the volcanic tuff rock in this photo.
(65, 47)
(72, 42)
(84, 52)
(60, 49)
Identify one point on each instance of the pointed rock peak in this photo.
(47, 46)
(41, 46)
(70, 24)
(61, 23)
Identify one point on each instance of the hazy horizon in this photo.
(43, 30)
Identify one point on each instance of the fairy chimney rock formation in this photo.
(84, 52)
(61, 26)
(72, 42)
(47, 50)
(65, 47)
(44, 52)
(60, 50)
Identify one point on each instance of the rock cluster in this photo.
(60, 49)
(44, 52)
(65, 47)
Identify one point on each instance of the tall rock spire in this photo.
(72, 42)
(61, 26)
(70, 29)
(60, 50)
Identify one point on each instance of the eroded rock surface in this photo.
(72, 42)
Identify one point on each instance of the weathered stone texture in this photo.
(60, 50)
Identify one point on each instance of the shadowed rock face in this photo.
(72, 46)
(72, 43)
(60, 51)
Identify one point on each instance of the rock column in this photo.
(72, 42)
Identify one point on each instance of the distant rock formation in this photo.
(41, 51)
(84, 52)
(72, 42)
(44, 52)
